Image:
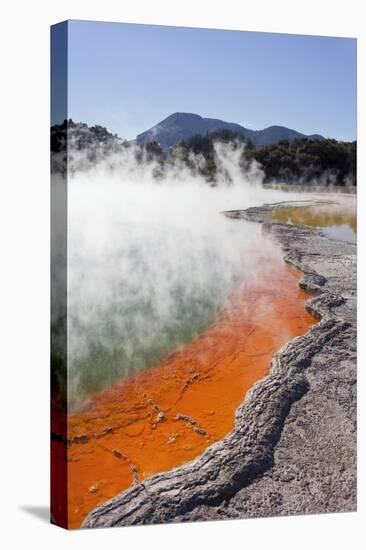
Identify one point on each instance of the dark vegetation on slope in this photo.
(300, 161)
(77, 145)
(182, 126)
(328, 162)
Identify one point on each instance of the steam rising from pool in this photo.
(151, 259)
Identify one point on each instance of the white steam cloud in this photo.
(152, 259)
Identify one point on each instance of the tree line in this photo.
(302, 161)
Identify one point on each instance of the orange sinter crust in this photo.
(169, 414)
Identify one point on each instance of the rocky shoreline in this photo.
(293, 446)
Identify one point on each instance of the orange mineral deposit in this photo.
(169, 414)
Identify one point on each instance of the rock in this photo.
(134, 474)
(104, 432)
(172, 438)
(80, 439)
(199, 430)
(161, 417)
(118, 454)
(186, 418)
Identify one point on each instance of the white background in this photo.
(24, 304)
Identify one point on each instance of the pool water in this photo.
(337, 221)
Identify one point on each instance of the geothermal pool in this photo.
(149, 287)
(166, 415)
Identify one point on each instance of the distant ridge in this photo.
(179, 126)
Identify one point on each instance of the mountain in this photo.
(181, 126)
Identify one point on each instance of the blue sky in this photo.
(129, 77)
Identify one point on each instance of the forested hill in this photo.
(181, 126)
(71, 138)
(301, 161)
(80, 136)
(326, 162)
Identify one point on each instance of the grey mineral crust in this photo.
(293, 446)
